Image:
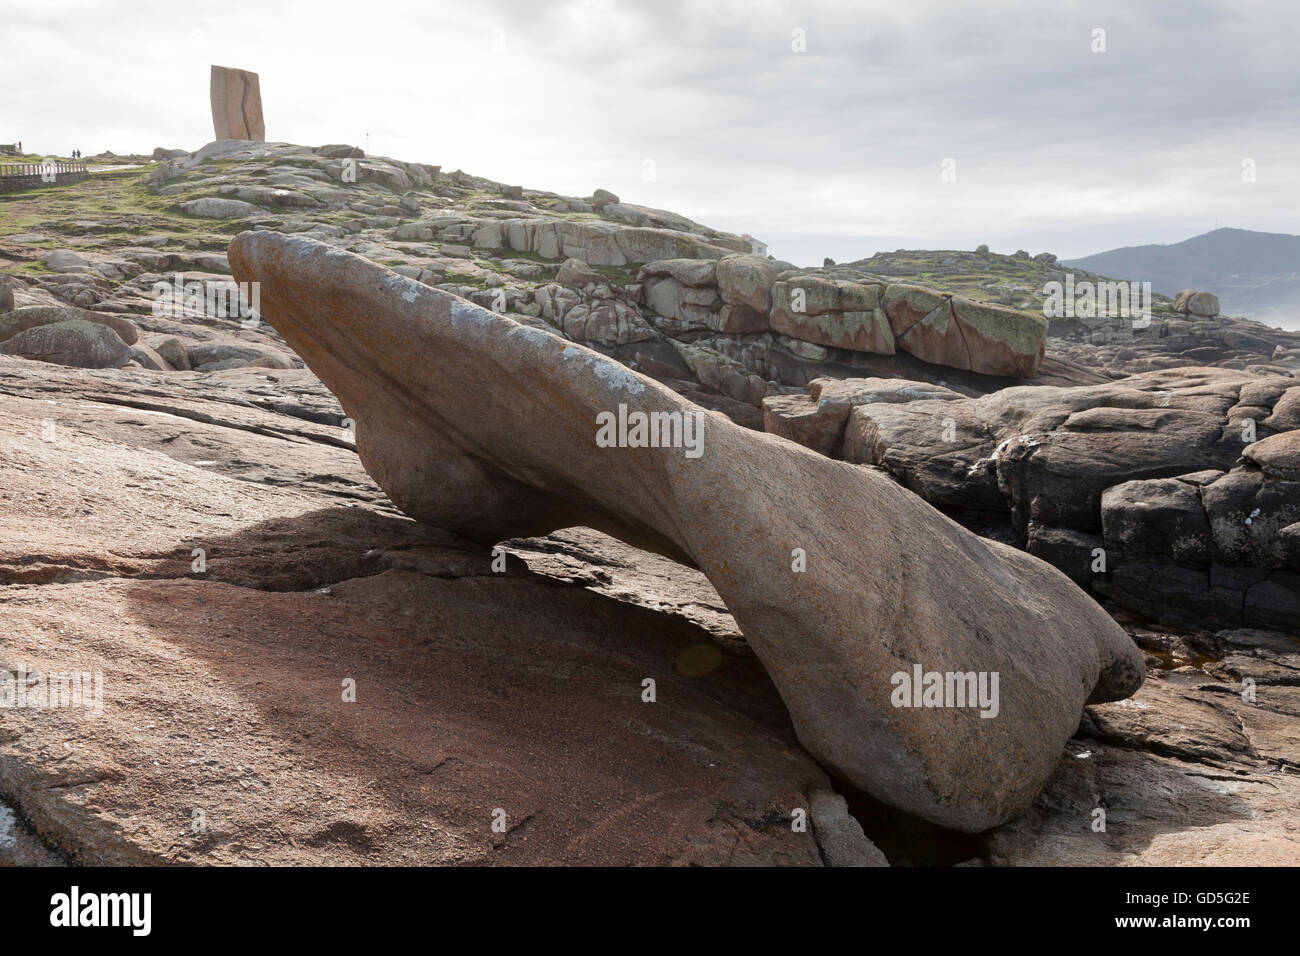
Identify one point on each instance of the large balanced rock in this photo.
(842, 582)
(237, 105)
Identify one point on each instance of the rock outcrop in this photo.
(956, 331)
(1191, 302)
(818, 420)
(458, 709)
(74, 342)
(694, 307)
(502, 443)
(116, 475)
(210, 207)
(1171, 492)
(29, 317)
(237, 105)
(833, 308)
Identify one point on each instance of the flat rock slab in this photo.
(224, 705)
(1186, 773)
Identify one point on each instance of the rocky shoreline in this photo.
(1155, 467)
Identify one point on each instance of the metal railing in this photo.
(43, 169)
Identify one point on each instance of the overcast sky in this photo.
(709, 107)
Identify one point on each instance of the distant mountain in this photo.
(1255, 274)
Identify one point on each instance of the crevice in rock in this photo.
(904, 839)
(898, 336)
(952, 311)
(28, 828)
(284, 434)
(1087, 732)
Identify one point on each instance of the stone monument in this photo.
(237, 105)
